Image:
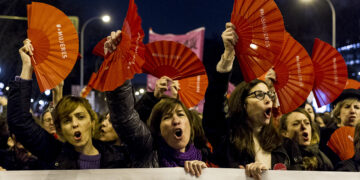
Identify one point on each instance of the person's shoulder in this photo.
(346, 165)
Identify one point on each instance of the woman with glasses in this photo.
(242, 134)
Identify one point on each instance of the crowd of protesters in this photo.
(160, 131)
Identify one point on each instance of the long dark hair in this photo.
(241, 133)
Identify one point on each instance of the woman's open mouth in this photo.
(77, 136)
(305, 136)
(267, 113)
(178, 133)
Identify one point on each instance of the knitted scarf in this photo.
(169, 157)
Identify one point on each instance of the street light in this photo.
(333, 20)
(105, 19)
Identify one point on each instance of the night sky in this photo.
(304, 22)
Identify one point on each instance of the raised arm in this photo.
(126, 121)
(214, 116)
(20, 121)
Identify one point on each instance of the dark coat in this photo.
(217, 128)
(60, 155)
(352, 164)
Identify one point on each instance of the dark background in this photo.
(304, 22)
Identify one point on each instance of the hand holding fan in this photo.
(128, 57)
(330, 72)
(178, 62)
(342, 142)
(55, 42)
(260, 28)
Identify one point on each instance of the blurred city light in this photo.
(106, 18)
(137, 93)
(142, 91)
(2, 85)
(47, 92)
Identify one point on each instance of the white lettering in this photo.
(61, 41)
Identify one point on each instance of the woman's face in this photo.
(350, 113)
(258, 111)
(175, 129)
(310, 111)
(298, 128)
(77, 127)
(48, 123)
(107, 132)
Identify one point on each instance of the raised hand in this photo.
(230, 39)
(25, 53)
(112, 41)
(161, 86)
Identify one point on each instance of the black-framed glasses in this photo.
(260, 95)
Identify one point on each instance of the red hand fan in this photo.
(55, 42)
(352, 84)
(128, 57)
(99, 48)
(330, 72)
(178, 62)
(260, 27)
(172, 59)
(342, 142)
(89, 86)
(192, 89)
(294, 75)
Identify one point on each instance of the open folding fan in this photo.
(352, 84)
(260, 27)
(294, 75)
(55, 42)
(342, 142)
(330, 72)
(89, 86)
(173, 59)
(128, 57)
(178, 62)
(99, 48)
(192, 89)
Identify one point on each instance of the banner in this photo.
(173, 174)
(193, 39)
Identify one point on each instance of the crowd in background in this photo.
(160, 131)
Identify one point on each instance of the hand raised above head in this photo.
(112, 41)
(161, 86)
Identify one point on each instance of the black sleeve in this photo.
(21, 123)
(145, 105)
(126, 121)
(214, 116)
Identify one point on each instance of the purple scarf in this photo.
(170, 157)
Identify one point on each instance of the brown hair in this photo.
(315, 138)
(241, 135)
(166, 105)
(67, 105)
(308, 162)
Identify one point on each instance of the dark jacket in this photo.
(145, 105)
(325, 134)
(217, 128)
(352, 164)
(297, 154)
(128, 125)
(60, 155)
